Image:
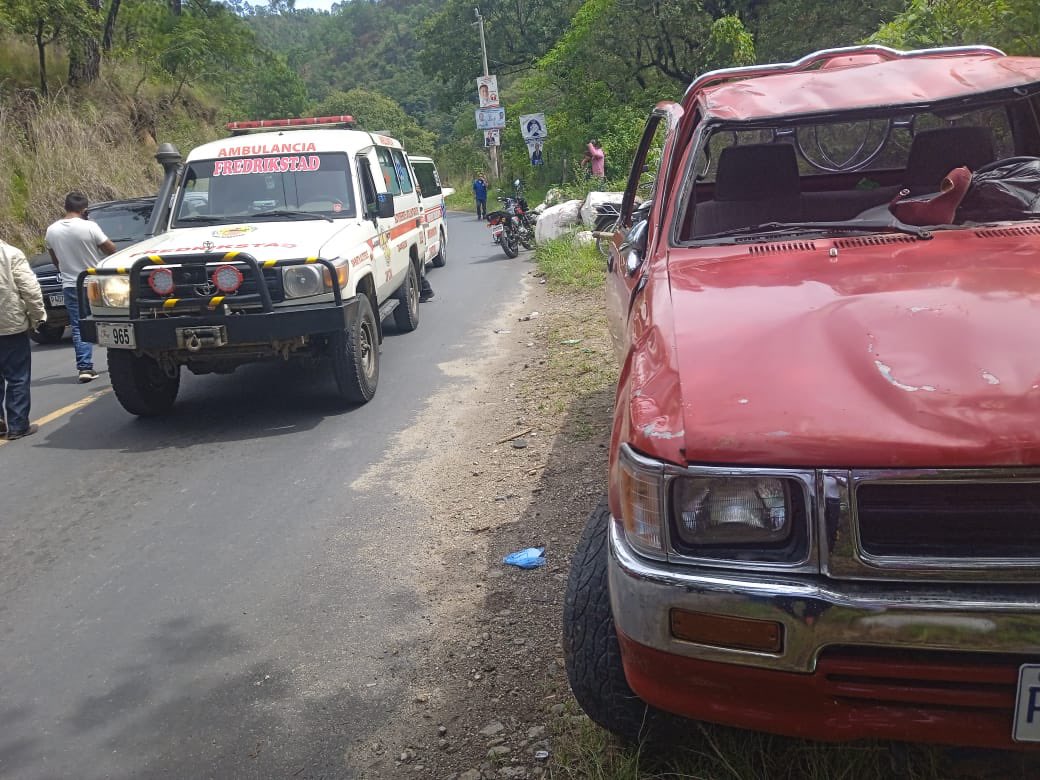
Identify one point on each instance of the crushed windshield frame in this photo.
(349, 210)
(704, 130)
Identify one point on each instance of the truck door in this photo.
(638, 227)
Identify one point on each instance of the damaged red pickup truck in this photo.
(823, 516)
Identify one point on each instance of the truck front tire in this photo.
(140, 383)
(355, 356)
(590, 644)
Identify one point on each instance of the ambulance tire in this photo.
(355, 356)
(140, 383)
(442, 256)
(406, 316)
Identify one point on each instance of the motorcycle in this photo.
(513, 225)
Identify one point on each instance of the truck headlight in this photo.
(303, 280)
(115, 291)
(732, 511)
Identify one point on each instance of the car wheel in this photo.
(406, 316)
(442, 256)
(590, 644)
(48, 334)
(355, 356)
(141, 384)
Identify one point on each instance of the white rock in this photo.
(557, 221)
(584, 237)
(588, 208)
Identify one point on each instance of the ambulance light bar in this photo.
(295, 123)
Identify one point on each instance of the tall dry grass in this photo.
(100, 142)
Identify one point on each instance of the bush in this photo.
(568, 264)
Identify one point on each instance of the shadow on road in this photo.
(236, 716)
(256, 402)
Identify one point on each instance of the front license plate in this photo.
(1027, 707)
(116, 335)
(58, 299)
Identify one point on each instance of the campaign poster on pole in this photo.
(493, 137)
(491, 118)
(487, 91)
(534, 151)
(533, 127)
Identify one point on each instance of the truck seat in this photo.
(745, 195)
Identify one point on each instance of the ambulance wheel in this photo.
(141, 384)
(355, 356)
(406, 316)
(442, 256)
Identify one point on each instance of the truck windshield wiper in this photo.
(772, 228)
(292, 214)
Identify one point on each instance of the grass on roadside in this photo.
(567, 264)
(583, 751)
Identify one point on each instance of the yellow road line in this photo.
(73, 407)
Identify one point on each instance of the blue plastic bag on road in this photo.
(531, 558)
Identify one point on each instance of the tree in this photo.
(85, 45)
(518, 33)
(45, 21)
(376, 112)
(1012, 25)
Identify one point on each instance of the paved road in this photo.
(204, 595)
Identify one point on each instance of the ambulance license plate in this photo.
(116, 335)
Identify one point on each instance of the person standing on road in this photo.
(480, 194)
(21, 308)
(596, 156)
(76, 244)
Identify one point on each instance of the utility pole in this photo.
(483, 54)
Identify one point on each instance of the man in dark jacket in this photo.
(480, 194)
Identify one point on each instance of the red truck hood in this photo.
(910, 353)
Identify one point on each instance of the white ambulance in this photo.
(293, 239)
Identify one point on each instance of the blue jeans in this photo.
(84, 349)
(14, 380)
(481, 208)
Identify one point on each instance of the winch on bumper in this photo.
(206, 318)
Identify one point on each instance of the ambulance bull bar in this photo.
(159, 332)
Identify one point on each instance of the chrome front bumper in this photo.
(817, 612)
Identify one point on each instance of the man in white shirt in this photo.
(76, 244)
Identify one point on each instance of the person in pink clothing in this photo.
(596, 157)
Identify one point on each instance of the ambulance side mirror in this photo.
(385, 205)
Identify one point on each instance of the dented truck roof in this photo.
(861, 78)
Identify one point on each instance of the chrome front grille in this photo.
(942, 525)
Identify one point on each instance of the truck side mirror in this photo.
(385, 205)
(633, 248)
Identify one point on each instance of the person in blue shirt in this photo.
(480, 193)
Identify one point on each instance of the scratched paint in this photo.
(886, 372)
